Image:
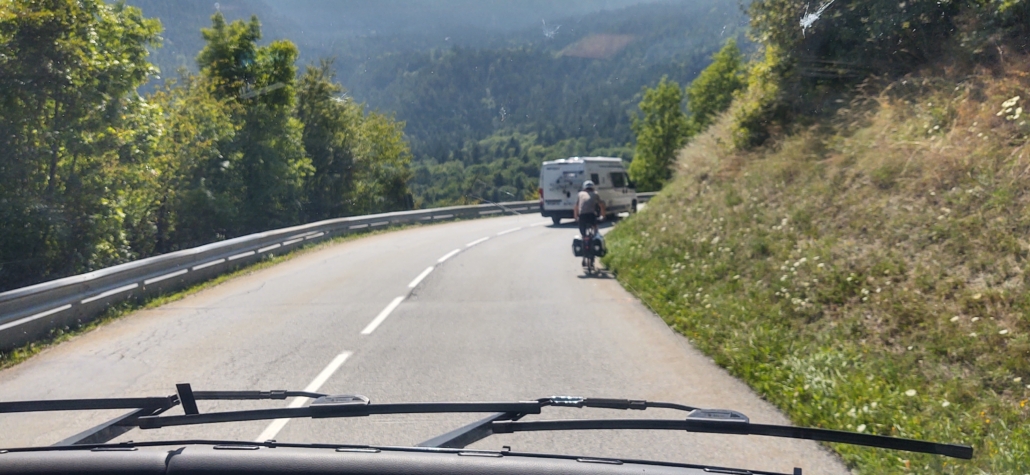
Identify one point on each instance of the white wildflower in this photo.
(1007, 107)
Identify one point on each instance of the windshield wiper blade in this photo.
(469, 434)
(316, 410)
(732, 422)
(505, 417)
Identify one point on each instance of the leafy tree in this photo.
(193, 190)
(661, 131)
(849, 41)
(330, 134)
(68, 73)
(840, 44)
(713, 90)
(382, 158)
(260, 81)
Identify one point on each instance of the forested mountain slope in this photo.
(559, 78)
(466, 109)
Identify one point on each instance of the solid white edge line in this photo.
(277, 425)
(164, 277)
(382, 316)
(269, 248)
(208, 264)
(110, 293)
(241, 255)
(421, 276)
(35, 317)
(502, 233)
(477, 241)
(448, 256)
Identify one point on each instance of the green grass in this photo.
(121, 309)
(869, 276)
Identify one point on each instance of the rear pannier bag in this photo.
(597, 243)
(599, 247)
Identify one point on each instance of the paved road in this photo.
(506, 318)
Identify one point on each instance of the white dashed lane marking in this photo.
(278, 424)
(382, 316)
(448, 256)
(421, 276)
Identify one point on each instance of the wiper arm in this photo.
(88, 404)
(359, 406)
(732, 422)
(318, 409)
(481, 429)
(604, 403)
(505, 418)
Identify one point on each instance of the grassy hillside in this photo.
(868, 273)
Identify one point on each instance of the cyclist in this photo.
(586, 210)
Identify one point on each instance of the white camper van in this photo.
(561, 180)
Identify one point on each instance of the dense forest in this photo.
(93, 174)
(481, 121)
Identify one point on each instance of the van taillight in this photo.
(541, 194)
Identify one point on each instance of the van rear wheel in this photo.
(634, 206)
(556, 220)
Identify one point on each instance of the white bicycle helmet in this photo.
(588, 185)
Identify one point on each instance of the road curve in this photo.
(490, 309)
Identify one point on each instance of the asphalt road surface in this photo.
(486, 310)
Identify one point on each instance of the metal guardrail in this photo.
(30, 313)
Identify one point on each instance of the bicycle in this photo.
(588, 250)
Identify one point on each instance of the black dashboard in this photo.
(248, 459)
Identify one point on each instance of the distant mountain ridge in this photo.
(319, 26)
